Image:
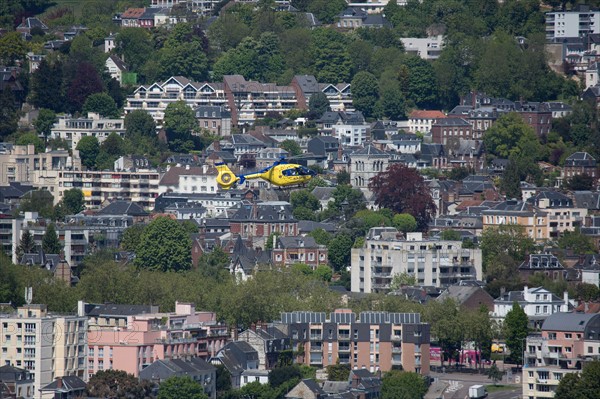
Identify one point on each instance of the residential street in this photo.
(456, 386)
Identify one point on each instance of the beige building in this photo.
(139, 186)
(22, 165)
(432, 262)
(46, 345)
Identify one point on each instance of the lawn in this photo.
(496, 388)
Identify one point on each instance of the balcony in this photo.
(343, 337)
(316, 337)
(397, 349)
(316, 348)
(396, 338)
(344, 349)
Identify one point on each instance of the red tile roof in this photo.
(133, 13)
(424, 114)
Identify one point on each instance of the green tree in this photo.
(494, 374)
(88, 148)
(26, 245)
(272, 237)
(392, 103)
(117, 384)
(181, 387)
(165, 246)
(9, 114)
(402, 279)
(71, 204)
(280, 375)
(139, 123)
(402, 385)
(515, 331)
(50, 242)
(46, 86)
(569, 387)
(365, 92)
(135, 46)
(580, 182)
(12, 48)
(321, 236)
(405, 222)
(31, 138)
(44, 122)
(180, 122)
(10, 284)
(419, 82)
(338, 372)
(291, 146)
(577, 242)
(101, 103)
(323, 273)
(510, 135)
(510, 240)
(183, 59)
(304, 198)
(326, 10)
(39, 201)
(339, 251)
(318, 104)
(330, 56)
(343, 177)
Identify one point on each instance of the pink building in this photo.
(131, 337)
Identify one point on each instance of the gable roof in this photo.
(568, 321)
(427, 114)
(70, 383)
(118, 62)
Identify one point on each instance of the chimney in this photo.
(566, 299)
(187, 167)
(59, 382)
(217, 145)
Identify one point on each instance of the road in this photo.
(456, 386)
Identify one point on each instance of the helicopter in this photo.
(281, 174)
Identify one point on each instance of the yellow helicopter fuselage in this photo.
(282, 175)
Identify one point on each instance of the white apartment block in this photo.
(73, 129)
(537, 303)
(98, 187)
(350, 135)
(46, 345)
(189, 180)
(155, 98)
(428, 48)
(431, 262)
(575, 23)
(203, 7)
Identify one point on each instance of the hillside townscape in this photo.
(300, 199)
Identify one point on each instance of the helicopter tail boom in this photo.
(225, 177)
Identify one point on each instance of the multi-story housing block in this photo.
(562, 215)
(155, 98)
(339, 95)
(580, 21)
(140, 186)
(250, 100)
(533, 219)
(73, 129)
(580, 163)
(566, 343)
(432, 262)
(131, 337)
(374, 340)
(45, 344)
(21, 164)
(450, 130)
(259, 220)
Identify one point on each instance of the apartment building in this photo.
(45, 344)
(140, 186)
(339, 95)
(439, 263)
(21, 164)
(94, 125)
(533, 219)
(562, 215)
(189, 179)
(374, 340)
(131, 337)
(250, 100)
(566, 343)
(155, 98)
(422, 120)
(580, 21)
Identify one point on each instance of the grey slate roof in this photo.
(69, 383)
(119, 310)
(587, 199)
(296, 242)
(123, 208)
(568, 321)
